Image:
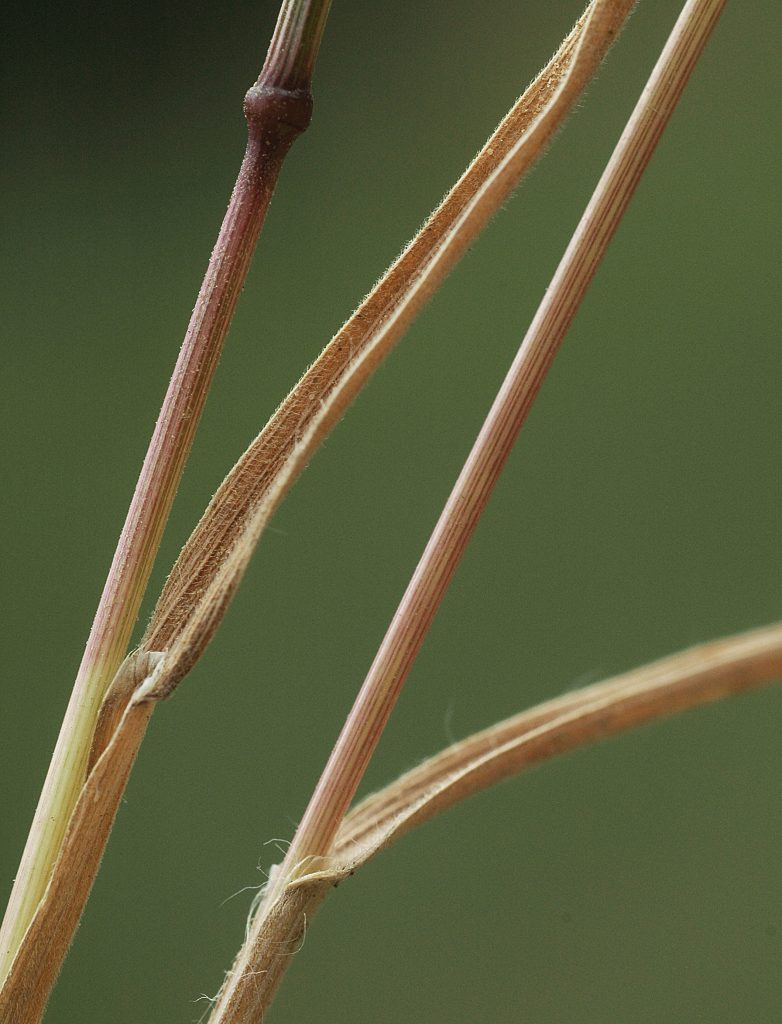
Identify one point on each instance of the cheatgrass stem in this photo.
(337, 786)
(277, 109)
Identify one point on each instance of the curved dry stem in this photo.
(697, 676)
(214, 559)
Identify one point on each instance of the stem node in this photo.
(270, 109)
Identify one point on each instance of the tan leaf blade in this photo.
(705, 673)
(213, 561)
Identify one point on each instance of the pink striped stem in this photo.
(362, 730)
(277, 109)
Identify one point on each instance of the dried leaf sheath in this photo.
(35, 968)
(213, 560)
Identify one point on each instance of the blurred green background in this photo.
(638, 881)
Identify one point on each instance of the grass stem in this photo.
(402, 642)
(277, 109)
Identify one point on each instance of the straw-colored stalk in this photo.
(286, 906)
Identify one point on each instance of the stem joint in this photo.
(270, 108)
